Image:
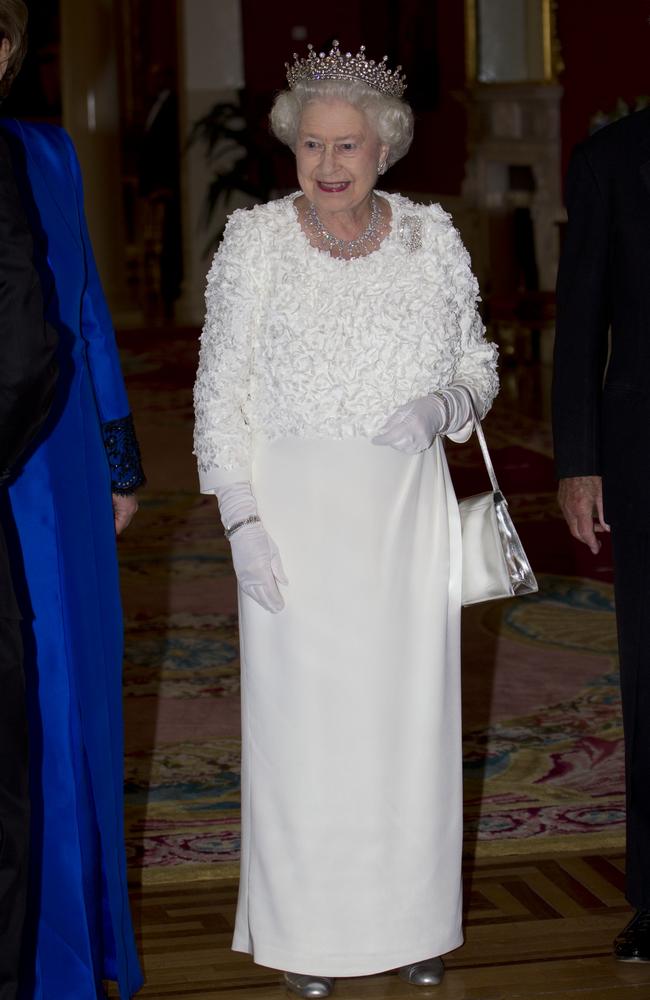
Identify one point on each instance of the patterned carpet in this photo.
(543, 743)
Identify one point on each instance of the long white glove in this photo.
(255, 555)
(414, 426)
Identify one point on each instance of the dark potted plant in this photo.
(238, 147)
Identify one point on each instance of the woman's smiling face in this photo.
(337, 156)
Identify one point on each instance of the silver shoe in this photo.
(309, 986)
(427, 973)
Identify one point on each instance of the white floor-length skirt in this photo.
(352, 786)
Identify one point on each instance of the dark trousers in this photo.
(14, 805)
(632, 591)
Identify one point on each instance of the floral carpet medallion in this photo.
(182, 656)
(183, 805)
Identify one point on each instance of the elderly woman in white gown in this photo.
(341, 345)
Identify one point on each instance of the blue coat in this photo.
(79, 926)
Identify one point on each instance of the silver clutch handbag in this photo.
(494, 562)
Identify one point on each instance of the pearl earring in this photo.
(381, 169)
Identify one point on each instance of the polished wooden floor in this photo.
(535, 928)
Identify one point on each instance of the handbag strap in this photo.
(484, 448)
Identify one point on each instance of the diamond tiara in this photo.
(338, 66)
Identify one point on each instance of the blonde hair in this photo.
(391, 117)
(13, 26)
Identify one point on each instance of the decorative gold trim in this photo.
(557, 63)
(547, 40)
(471, 50)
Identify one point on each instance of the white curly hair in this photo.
(391, 118)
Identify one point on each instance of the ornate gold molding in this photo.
(556, 61)
(471, 45)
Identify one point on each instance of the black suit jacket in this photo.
(601, 405)
(27, 345)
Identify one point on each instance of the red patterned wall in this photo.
(606, 50)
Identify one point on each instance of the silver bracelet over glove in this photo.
(231, 529)
(255, 555)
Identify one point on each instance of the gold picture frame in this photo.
(550, 48)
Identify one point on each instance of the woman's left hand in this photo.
(413, 426)
(124, 508)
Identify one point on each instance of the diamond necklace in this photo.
(363, 244)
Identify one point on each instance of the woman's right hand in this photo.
(255, 555)
(258, 566)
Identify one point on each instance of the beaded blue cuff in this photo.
(123, 453)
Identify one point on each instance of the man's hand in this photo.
(581, 501)
(123, 510)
